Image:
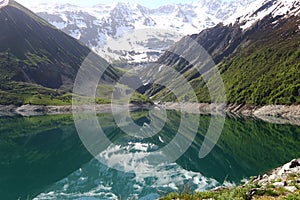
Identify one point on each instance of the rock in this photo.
(284, 168)
(220, 188)
(265, 176)
(291, 167)
(259, 177)
(59, 109)
(263, 182)
(290, 188)
(294, 163)
(278, 111)
(9, 108)
(273, 177)
(280, 184)
(31, 110)
(253, 191)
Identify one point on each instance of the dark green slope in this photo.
(37, 61)
(259, 66)
(268, 70)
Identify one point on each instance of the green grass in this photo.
(104, 91)
(292, 197)
(238, 193)
(46, 100)
(18, 93)
(249, 191)
(34, 59)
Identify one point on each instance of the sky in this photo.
(147, 3)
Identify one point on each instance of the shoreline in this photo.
(280, 183)
(279, 114)
(37, 110)
(283, 111)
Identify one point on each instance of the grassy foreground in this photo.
(18, 93)
(250, 191)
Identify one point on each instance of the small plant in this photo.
(292, 197)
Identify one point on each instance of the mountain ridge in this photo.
(106, 23)
(259, 65)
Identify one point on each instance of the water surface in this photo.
(43, 157)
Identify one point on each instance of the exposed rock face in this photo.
(286, 177)
(276, 110)
(283, 111)
(292, 167)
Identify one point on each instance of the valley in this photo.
(196, 100)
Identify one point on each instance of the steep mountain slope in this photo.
(160, 28)
(258, 56)
(36, 59)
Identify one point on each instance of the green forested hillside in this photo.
(259, 66)
(268, 70)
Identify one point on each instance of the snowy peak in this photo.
(97, 26)
(185, 18)
(261, 8)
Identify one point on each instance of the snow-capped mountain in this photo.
(148, 32)
(259, 9)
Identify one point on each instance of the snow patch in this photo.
(160, 68)
(261, 8)
(59, 25)
(81, 24)
(75, 34)
(4, 3)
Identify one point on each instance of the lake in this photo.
(42, 157)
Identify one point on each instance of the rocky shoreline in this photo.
(34, 110)
(283, 111)
(286, 177)
(280, 114)
(278, 184)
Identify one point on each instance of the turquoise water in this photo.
(43, 157)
